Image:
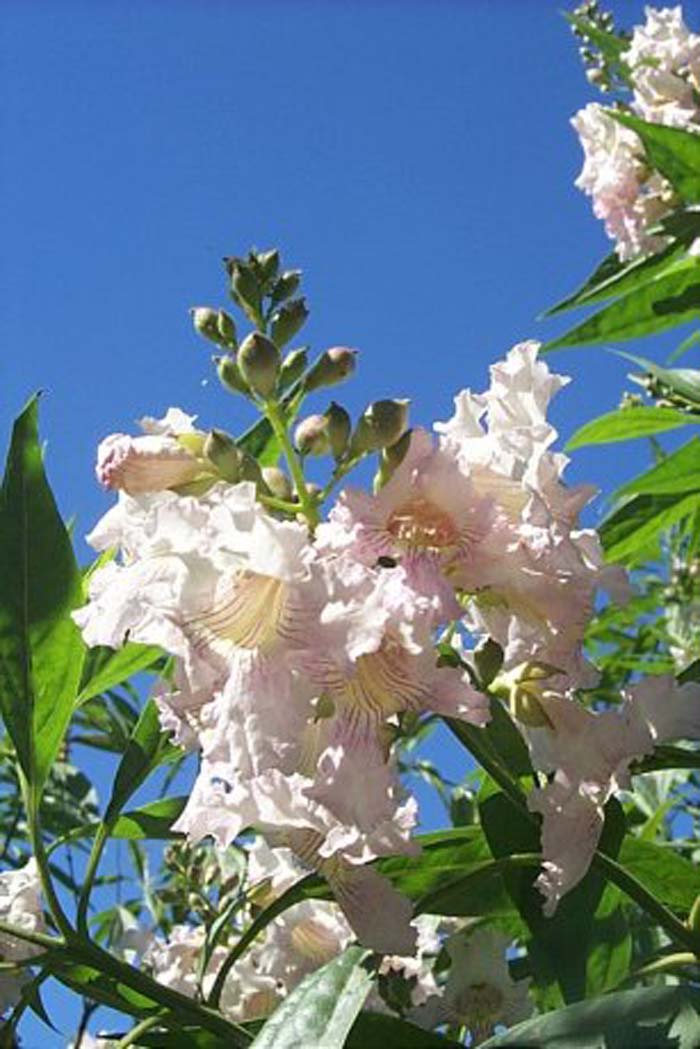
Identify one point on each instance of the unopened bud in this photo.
(250, 470)
(332, 367)
(192, 442)
(277, 482)
(488, 660)
(215, 325)
(382, 424)
(285, 286)
(311, 435)
(390, 459)
(230, 375)
(221, 450)
(293, 367)
(339, 428)
(245, 289)
(287, 321)
(267, 263)
(259, 362)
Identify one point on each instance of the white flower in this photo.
(590, 754)
(20, 906)
(479, 992)
(155, 461)
(664, 57)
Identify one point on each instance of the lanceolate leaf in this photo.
(675, 153)
(41, 650)
(148, 748)
(628, 423)
(380, 1031)
(106, 668)
(631, 531)
(613, 278)
(643, 1017)
(672, 299)
(676, 474)
(322, 1009)
(671, 878)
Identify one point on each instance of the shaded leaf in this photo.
(380, 1031)
(106, 668)
(148, 748)
(550, 948)
(674, 880)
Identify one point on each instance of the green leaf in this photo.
(674, 880)
(610, 954)
(148, 748)
(683, 382)
(41, 650)
(643, 1017)
(675, 153)
(559, 944)
(106, 668)
(322, 1009)
(628, 423)
(259, 440)
(153, 820)
(676, 474)
(672, 299)
(688, 344)
(631, 530)
(667, 757)
(613, 278)
(380, 1031)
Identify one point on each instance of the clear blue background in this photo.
(415, 159)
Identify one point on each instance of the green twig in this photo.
(132, 1036)
(278, 422)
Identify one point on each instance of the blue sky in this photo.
(414, 158)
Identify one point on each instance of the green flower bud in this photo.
(215, 325)
(192, 442)
(390, 459)
(245, 289)
(250, 470)
(339, 428)
(259, 362)
(285, 286)
(488, 660)
(333, 366)
(293, 367)
(381, 425)
(221, 450)
(311, 435)
(230, 375)
(277, 482)
(266, 265)
(287, 321)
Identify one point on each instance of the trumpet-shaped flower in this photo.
(167, 455)
(590, 755)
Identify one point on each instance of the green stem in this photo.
(132, 1036)
(31, 805)
(98, 845)
(604, 864)
(292, 895)
(39, 939)
(307, 504)
(279, 504)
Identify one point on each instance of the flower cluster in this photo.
(663, 60)
(299, 650)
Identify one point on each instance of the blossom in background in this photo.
(664, 64)
(20, 906)
(479, 992)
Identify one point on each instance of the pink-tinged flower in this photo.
(626, 195)
(591, 754)
(168, 455)
(664, 58)
(426, 518)
(214, 581)
(371, 657)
